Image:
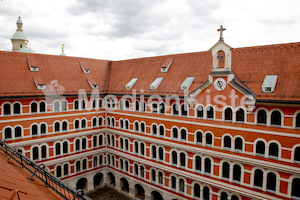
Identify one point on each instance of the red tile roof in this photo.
(17, 79)
(14, 177)
(250, 64)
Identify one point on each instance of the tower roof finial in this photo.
(221, 29)
(63, 50)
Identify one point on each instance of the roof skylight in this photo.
(269, 83)
(187, 83)
(156, 83)
(131, 83)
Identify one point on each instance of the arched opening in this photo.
(33, 107)
(56, 127)
(297, 154)
(260, 148)
(197, 190)
(183, 134)
(240, 115)
(153, 175)
(273, 150)
(207, 163)
(76, 105)
(198, 163)
(154, 129)
(162, 108)
(175, 109)
(160, 178)
(64, 126)
(227, 142)
(234, 197)
(7, 133)
(83, 104)
(17, 108)
(184, 110)
(81, 184)
(199, 137)
(136, 126)
(181, 185)
(174, 157)
(237, 171)
(271, 181)
(161, 130)
(154, 152)
(221, 59)
(160, 153)
(208, 139)
(276, 118)
(43, 129)
(139, 192)
(6, 109)
(35, 153)
(143, 106)
(238, 144)
(56, 106)
(298, 120)
(18, 132)
(142, 127)
(42, 107)
(262, 117)
(173, 182)
(154, 107)
(156, 196)
(225, 170)
(258, 178)
(210, 112)
(124, 185)
(224, 196)
(182, 159)
(175, 133)
(206, 193)
(64, 105)
(228, 114)
(200, 111)
(126, 124)
(295, 188)
(111, 180)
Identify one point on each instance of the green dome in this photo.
(26, 50)
(19, 36)
(19, 21)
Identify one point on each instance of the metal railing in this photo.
(40, 172)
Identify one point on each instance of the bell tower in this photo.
(221, 53)
(19, 38)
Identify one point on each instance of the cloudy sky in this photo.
(124, 29)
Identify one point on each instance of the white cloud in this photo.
(122, 29)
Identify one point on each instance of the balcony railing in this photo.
(40, 172)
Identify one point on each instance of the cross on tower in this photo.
(221, 29)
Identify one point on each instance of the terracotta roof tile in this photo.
(250, 64)
(17, 79)
(14, 177)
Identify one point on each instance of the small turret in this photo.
(19, 38)
(62, 50)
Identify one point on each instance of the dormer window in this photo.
(269, 83)
(86, 71)
(32, 68)
(39, 86)
(156, 83)
(131, 83)
(187, 83)
(93, 86)
(165, 67)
